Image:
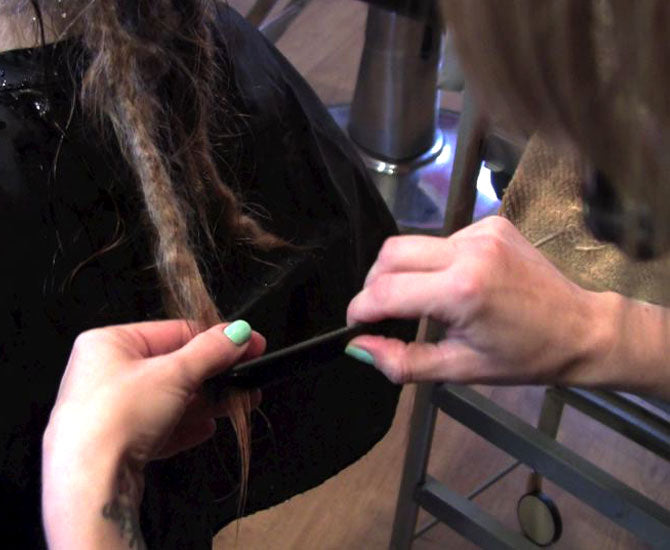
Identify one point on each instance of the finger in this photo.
(403, 362)
(202, 407)
(256, 347)
(413, 253)
(161, 337)
(211, 352)
(188, 435)
(402, 296)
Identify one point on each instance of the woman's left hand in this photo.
(138, 385)
(130, 394)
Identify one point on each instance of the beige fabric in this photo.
(544, 202)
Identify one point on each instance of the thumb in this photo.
(403, 362)
(213, 351)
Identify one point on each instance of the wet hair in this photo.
(593, 72)
(152, 76)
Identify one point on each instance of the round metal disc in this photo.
(539, 518)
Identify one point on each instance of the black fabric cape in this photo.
(65, 195)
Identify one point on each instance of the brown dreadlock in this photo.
(134, 49)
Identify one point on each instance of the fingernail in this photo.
(360, 354)
(239, 332)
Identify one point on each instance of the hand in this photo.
(129, 394)
(137, 385)
(510, 315)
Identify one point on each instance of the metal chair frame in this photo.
(535, 447)
(274, 28)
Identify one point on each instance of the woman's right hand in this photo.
(510, 315)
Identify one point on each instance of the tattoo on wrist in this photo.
(123, 510)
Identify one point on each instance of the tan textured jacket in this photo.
(544, 202)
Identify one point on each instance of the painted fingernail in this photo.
(360, 354)
(239, 332)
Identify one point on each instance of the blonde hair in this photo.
(594, 72)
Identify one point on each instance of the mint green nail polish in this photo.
(360, 354)
(239, 332)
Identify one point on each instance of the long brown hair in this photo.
(151, 75)
(596, 72)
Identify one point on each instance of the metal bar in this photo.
(421, 431)
(425, 528)
(551, 413)
(473, 494)
(609, 496)
(493, 480)
(550, 420)
(468, 519)
(459, 212)
(621, 415)
(259, 11)
(276, 27)
(658, 403)
(467, 162)
(460, 206)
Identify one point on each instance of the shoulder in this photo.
(252, 68)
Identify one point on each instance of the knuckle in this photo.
(213, 339)
(356, 310)
(179, 361)
(396, 374)
(497, 224)
(403, 371)
(491, 248)
(382, 290)
(87, 339)
(469, 286)
(470, 293)
(180, 368)
(389, 250)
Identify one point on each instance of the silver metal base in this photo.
(416, 190)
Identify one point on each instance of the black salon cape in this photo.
(66, 196)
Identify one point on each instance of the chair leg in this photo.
(275, 28)
(550, 420)
(259, 11)
(414, 472)
(460, 206)
(467, 162)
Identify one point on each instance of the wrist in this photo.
(639, 361)
(595, 340)
(627, 347)
(75, 452)
(90, 491)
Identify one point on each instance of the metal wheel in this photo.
(539, 518)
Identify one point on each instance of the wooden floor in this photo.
(355, 509)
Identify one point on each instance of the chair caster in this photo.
(539, 518)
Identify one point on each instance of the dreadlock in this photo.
(151, 76)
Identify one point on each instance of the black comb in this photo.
(301, 357)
